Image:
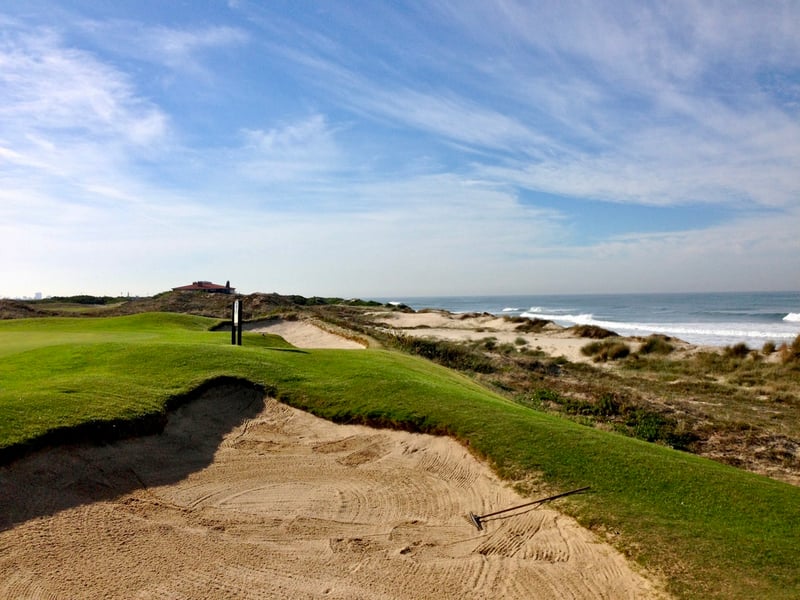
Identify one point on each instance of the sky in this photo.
(405, 148)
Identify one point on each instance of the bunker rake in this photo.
(478, 520)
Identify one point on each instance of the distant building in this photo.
(206, 286)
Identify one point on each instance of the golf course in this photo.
(698, 528)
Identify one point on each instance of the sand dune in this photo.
(244, 499)
(553, 340)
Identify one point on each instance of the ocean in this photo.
(711, 319)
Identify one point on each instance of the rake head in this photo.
(476, 520)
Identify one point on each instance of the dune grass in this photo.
(710, 530)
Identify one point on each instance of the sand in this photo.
(242, 497)
(304, 334)
(553, 340)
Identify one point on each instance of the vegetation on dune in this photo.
(731, 406)
(657, 344)
(186, 302)
(790, 353)
(85, 299)
(592, 331)
(525, 325)
(616, 410)
(606, 350)
(448, 354)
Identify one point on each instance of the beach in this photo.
(702, 319)
(553, 340)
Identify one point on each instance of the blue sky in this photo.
(380, 149)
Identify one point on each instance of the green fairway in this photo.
(713, 531)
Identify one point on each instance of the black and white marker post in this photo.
(236, 324)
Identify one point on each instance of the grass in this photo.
(742, 408)
(656, 344)
(712, 531)
(606, 350)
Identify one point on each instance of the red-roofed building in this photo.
(206, 286)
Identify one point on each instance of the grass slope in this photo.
(711, 530)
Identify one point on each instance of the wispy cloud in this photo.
(178, 49)
(295, 152)
(48, 87)
(72, 131)
(641, 113)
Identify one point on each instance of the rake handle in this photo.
(561, 495)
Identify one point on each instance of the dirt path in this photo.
(241, 499)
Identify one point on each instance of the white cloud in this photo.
(72, 128)
(48, 87)
(179, 49)
(293, 152)
(622, 103)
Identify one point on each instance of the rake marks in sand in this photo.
(294, 506)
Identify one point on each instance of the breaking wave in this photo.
(716, 334)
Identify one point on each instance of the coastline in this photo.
(726, 404)
(701, 319)
(554, 340)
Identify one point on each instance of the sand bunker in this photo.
(303, 334)
(244, 499)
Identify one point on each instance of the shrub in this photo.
(525, 325)
(591, 349)
(532, 362)
(653, 427)
(617, 350)
(473, 315)
(545, 395)
(81, 299)
(606, 350)
(647, 425)
(791, 353)
(445, 353)
(490, 343)
(657, 344)
(540, 397)
(592, 331)
(739, 350)
(609, 405)
(768, 348)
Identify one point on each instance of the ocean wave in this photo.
(510, 309)
(535, 309)
(792, 318)
(581, 319)
(697, 333)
